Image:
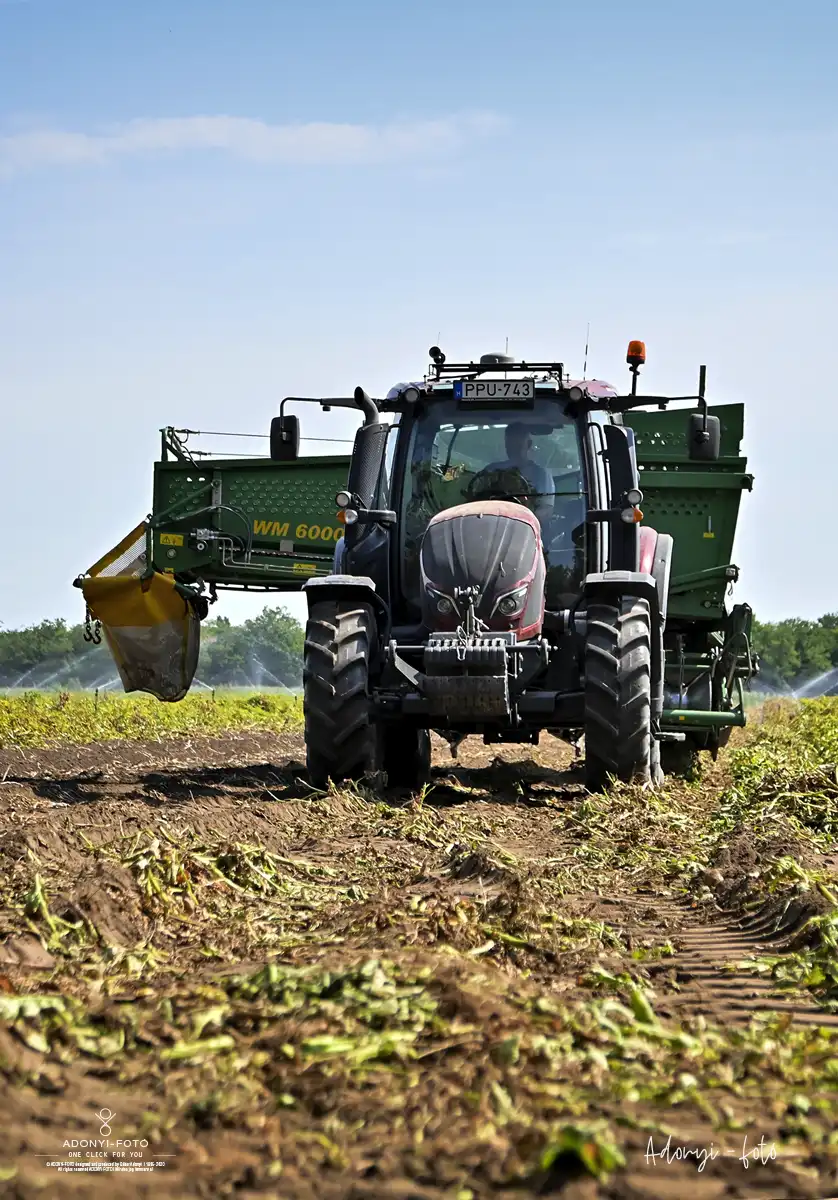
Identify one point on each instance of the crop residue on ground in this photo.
(504, 986)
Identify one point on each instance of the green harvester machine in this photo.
(507, 551)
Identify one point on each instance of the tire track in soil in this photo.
(699, 968)
(707, 945)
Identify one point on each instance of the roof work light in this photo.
(635, 357)
(636, 354)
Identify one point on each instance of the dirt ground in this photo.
(275, 992)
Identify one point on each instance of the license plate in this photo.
(511, 390)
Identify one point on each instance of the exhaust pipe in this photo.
(367, 406)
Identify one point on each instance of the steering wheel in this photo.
(499, 483)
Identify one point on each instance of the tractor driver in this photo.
(518, 444)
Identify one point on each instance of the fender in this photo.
(617, 583)
(359, 587)
(656, 560)
(648, 543)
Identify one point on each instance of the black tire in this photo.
(618, 691)
(681, 759)
(406, 756)
(341, 741)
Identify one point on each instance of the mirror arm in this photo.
(703, 434)
(702, 385)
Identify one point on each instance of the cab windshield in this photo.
(530, 455)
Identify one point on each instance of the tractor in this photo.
(513, 552)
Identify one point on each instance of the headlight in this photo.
(443, 604)
(512, 603)
(634, 496)
(350, 516)
(631, 515)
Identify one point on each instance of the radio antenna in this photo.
(587, 342)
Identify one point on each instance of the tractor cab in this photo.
(478, 434)
(457, 454)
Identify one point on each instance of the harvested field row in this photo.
(504, 986)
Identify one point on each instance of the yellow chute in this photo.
(152, 627)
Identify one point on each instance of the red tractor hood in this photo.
(495, 547)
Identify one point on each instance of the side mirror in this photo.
(704, 437)
(285, 439)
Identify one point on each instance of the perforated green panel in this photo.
(696, 502)
(285, 511)
(662, 436)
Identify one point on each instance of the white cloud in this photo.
(311, 143)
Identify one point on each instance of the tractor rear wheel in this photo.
(618, 691)
(341, 741)
(406, 754)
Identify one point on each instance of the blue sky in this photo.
(207, 205)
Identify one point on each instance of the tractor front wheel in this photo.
(618, 691)
(341, 741)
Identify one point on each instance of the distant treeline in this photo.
(267, 650)
(795, 652)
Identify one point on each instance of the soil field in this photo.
(502, 987)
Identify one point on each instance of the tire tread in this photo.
(618, 690)
(341, 742)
